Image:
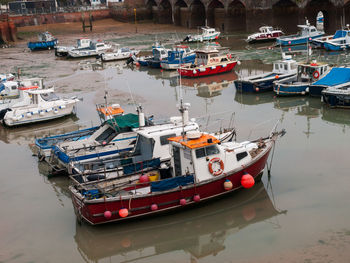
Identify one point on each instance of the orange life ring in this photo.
(210, 166)
(316, 74)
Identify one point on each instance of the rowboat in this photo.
(266, 33)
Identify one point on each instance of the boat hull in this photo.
(42, 45)
(316, 91)
(336, 100)
(206, 71)
(294, 41)
(290, 89)
(332, 47)
(92, 211)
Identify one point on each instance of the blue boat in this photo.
(158, 54)
(45, 144)
(299, 84)
(338, 44)
(264, 82)
(337, 78)
(307, 33)
(46, 41)
(337, 97)
(320, 41)
(180, 55)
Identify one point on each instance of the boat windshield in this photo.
(49, 96)
(144, 146)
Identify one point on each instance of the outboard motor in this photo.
(186, 38)
(3, 113)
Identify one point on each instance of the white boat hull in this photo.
(27, 115)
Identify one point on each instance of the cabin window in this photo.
(321, 71)
(187, 154)
(276, 66)
(49, 96)
(210, 150)
(281, 66)
(106, 136)
(313, 30)
(14, 87)
(285, 67)
(240, 156)
(164, 138)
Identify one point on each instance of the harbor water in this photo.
(300, 213)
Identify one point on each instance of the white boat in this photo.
(117, 53)
(44, 105)
(307, 33)
(95, 49)
(82, 43)
(6, 77)
(266, 33)
(208, 34)
(13, 92)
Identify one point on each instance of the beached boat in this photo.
(337, 97)
(118, 53)
(267, 33)
(307, 74)
(82, 43)
(282, 69)
(338, 44)
(6, 77)
(209, 62)
(319, 41)
(13, 92)
(307, 33)
(159, 52)
(113, 137)
(45, 144)
(202, 168)
(336, 78)
(44, 105)
(208, 34)
(180, 55)
(46, 41)
(96, 48)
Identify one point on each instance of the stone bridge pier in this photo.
(248, 15)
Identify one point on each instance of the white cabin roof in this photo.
(41, 91)
(158, 130)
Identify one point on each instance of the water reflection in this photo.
(200, 232)
(253, 99)
(24, 135)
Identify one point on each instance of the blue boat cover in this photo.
(171, 183)
(335, 77)
(2, 87)
(339, 33)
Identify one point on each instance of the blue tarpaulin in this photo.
(335, 77)
(134, 167)
(2, 87)
(171, 183)
(339, 33)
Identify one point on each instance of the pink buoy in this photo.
(123, 212)
(104, 143)
(144, 178)
(196, 198)
(107, 214)
(154, 207)
(183, 201)
(228, 185)
(247, 181)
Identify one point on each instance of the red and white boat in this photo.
(208, 62)
(267, 33)
(201, 168)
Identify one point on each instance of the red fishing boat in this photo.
(208, 62)
(201, 168)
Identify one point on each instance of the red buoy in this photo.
(183, 201)
(228, 185)
(277, 77)
(144, 178)
(107, 214)
(123, 212)
(247, 181)
(154, 207)
(137, 64)
(196, 198)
